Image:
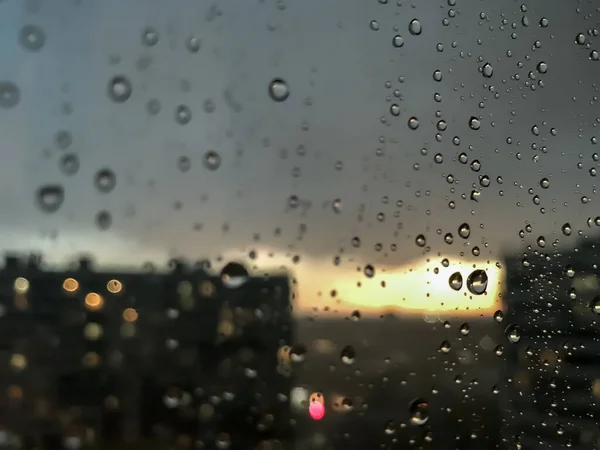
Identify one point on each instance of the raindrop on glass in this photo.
(369, 271)
(278, 90)
(465, 329)
(119, 88)
(337, 206)
(69, 164)
(413, 123)
(464, 231)
(234, 275)
(420, 240)
(10, 94)
(445, 347)
(193, 44)
(513, 333)
(456, 281)
(50, 197)
(415, 27)
(477, 282)
(183, 114)
(499, 316)
(149, 37)
(487, 70)
(398, 41)
(348, 354)
(184, 164)
(105, 180)
(212, 160)
(32, 37)
(474, 123)
(419, 412)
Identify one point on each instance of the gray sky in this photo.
(337, 68)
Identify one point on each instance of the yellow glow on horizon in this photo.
(414, 289)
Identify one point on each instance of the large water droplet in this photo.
(119, 88)
(149, 37)
(419, 412)
(212, 160)
(69, 164)
(279, 90)
(477, 282)
(487, 70)
(513, 333)
(464, 231)
(499, 316)
(465, 329)
(369, 271)
(445, 347)
(474, 123)
(234, 275)
(398, 41)
(580, 39)
(415, 27)
(595, 305)
(183, 114)
(348, 354)
(413, 123)
(10, 94)
(32, 38)
(50, 197)
(105, 180)
(420, 240)
(455, 281)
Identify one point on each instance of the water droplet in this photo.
(209, 106)
(499, 316)
(477, 282)
(415, 27)
(543, 22)
(212, 160)
(184, 164)
(419, 412)
(234, 275)
(398, 41)
(413, 123)
(580, 39)
(420, 240)
(69, 164)
(474, 123)
(279, 90)
(10, 94)
(369, 271)
(355, 316)
(456, 281)
(183, 114)
(50, 197)
(374, 25)
(337, 206)
(395, 110)
(63, 139)
(464, 231)
(105, 180)
(348, 354)
(437, 75)
(438, 158)
(119, 89)
(596, 305)
(541, 241)
(475, 251)
(487, 70)
(542, 67)
(32, 38)
(513, 333)
(544, 183)
(499, 350)
(448, 238)
(445, 347)
(103, 220)
(149, 37)
(465, 329)
(193, 44)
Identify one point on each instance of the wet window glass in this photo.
(284, 224)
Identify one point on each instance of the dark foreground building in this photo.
(553, 368)
(123, 360)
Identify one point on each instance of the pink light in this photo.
(316, 410)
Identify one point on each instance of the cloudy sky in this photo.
(283, 164)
